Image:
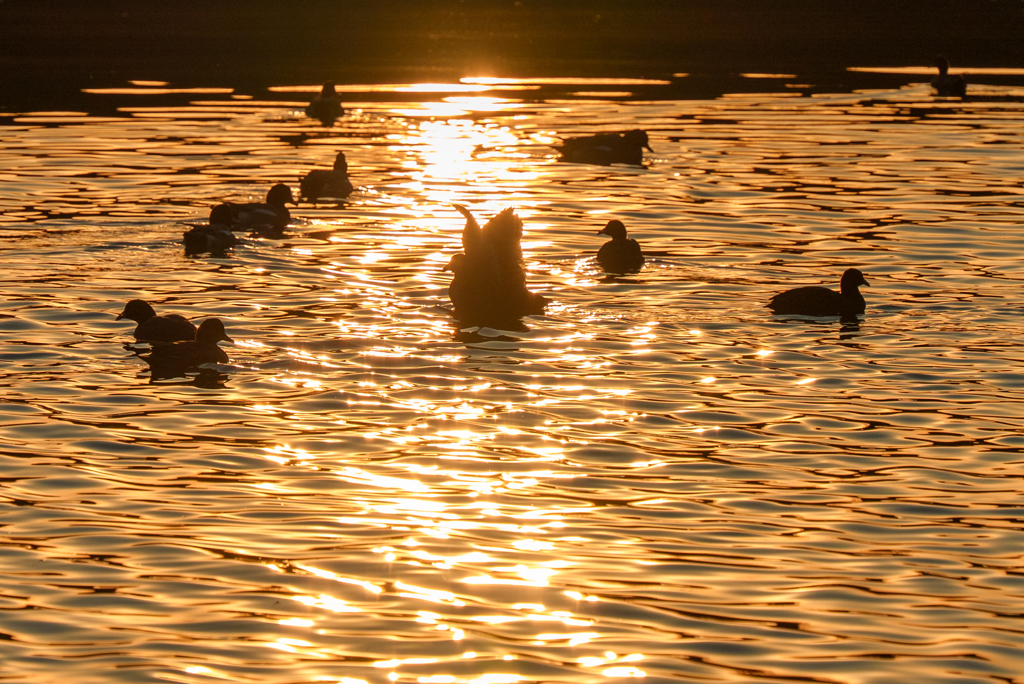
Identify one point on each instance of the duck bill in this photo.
(227, 338)
(601, 232)
(648, 147)
(119, 316)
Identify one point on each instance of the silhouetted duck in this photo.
(821, 301)
(622, 254)
(153, 328)
(946, 84)
(606, 148)
(213, 237)
(327, 182)
(326, 107)
(271, 214)
(182, 356)
(489, 278)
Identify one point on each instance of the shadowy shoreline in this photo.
(52, 49)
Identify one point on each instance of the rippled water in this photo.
(656, 478)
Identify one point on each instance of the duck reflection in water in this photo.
(178, 358)
(821, 301)
(621, 254)
(606, 148)
(489, 278)
(326, 107)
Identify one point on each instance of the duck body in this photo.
(606, 148)
(158, 329)
(327, 182)
(621, 254)
(326, 107)
(821, 301)
(489, 277)
(215, 237)
(272, 214)
(947, 84)
(183, 356)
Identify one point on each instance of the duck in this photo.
(214, 237)
(326, 107)
(488, 276)
(821, 301)
(621, 254)
(946, 84)
(157, 329)
(272, 214)
(182, 356)
(327, 182)
(606, 148)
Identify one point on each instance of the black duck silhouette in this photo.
(606, 148)
(179, 357)
(621, 254)
(214, 237)
(327, 182)
(326, 107)
(489, 278)
(947, 84)
(271, 215)
(153, 328)
(821, 301)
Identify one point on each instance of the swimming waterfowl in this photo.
(182, 356)
(489, 278)
(606, 148)
(213, 237)
(622, 254)
(270, 214)
(821, 301)
(153, 328)
(327, 182)
(326, 107)
(947, 84)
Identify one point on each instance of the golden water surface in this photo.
(657, 479)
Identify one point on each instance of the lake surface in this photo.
(655, 479)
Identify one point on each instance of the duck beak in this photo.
(601, 232)
(226, 338)
(119, 316)
(648, 147)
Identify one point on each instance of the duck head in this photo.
(212, 331)
(279, 195)
(221, 215)
(328, 90)
(615, 229)
(852, 279)
(455, 263)
(136, 310)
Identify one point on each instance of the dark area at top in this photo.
(51, 49)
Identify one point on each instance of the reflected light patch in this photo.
(327, 574)
(326, 602)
